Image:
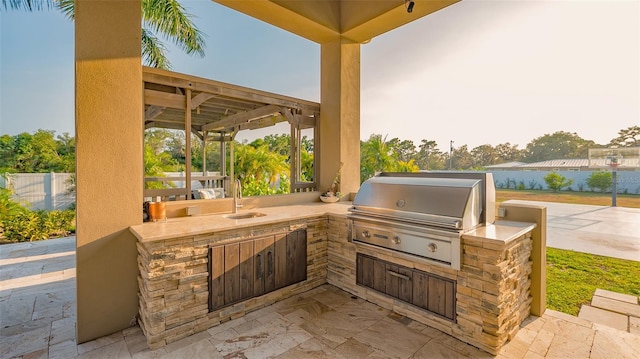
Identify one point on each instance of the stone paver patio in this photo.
(37, 320)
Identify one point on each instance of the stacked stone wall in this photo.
(492, 288)
(173, 282)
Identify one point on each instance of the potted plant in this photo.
(333, 195)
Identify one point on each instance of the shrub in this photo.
(556, 181)
(600, 180)
(38, 225)
(8, 207)
(520, 186)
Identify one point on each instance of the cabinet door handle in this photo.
(260, 272)
(270, 268)
(401, 276)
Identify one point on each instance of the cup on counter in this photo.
(157, 211)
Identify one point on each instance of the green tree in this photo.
(556, 181)
(429, 157)
(280, 144)
(307, 144)
(375, 156)
(559, 145)
(37, 152)
(166, 17)
(66, 147)
(404, 150)
(484, 155)
(213, 155)
(462, 159)
(261, 171)
(306, 166)
(508, 152)
(600, 180)
(158, 156)
(629, 137)
(378, 155)
(408, 166)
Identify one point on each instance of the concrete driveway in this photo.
(607, 231)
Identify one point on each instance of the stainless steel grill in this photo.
(422, 214)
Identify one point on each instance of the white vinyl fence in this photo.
(628, 181)
(49, 191)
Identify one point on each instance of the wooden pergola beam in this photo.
(242, 118)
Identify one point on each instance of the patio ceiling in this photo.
(217, 107)
(324, 21)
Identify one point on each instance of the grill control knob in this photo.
(432, 247)
(366, 234)
(396, 239)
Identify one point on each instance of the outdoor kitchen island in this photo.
(492, 288)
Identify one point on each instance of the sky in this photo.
(477, 72)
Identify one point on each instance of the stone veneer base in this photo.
(492, 291)
(493, 286)
(173, 282)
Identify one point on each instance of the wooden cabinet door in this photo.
(364, 270)
(290, 258)
(216, 277)
(398, 282)
(231, 273)
(264, 270)
(380, 276)
(422, 289)
(296, 267)
(246, 269)
(372, 273)
(280, 260)
(441, 297)
(434, 294)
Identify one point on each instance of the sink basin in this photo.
(244, 215)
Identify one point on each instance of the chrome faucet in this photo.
(237, 195)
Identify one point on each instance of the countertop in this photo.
(503, 231)
(211, 223)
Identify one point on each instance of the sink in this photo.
(244, 215)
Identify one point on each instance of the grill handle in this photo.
(401, 276)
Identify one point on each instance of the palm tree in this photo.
(261, 170)
(166, 17)
(29, 5)
(375, 156)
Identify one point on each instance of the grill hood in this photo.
(453, 200)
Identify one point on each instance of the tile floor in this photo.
(37, 288)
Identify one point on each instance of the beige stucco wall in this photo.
(109, 163)
(340, 115)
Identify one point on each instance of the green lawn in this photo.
(573, 277)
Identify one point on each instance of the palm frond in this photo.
(153, 51)
(67, 8)
(169, 18)
(28, 5)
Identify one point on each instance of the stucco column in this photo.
(109, 163)
(340, 115)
